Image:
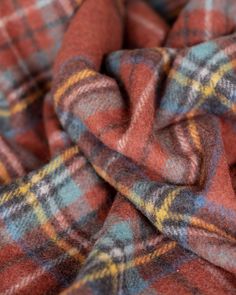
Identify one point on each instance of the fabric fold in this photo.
(117, 158)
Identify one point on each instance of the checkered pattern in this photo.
(117, 147)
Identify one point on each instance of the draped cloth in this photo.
(117, 147)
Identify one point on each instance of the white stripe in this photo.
(147, 24)
(24, 87)
(203, 72)
(208, 19)
(58, 136)
(11, 157)
(66, 6)
(91, 86)
(142, 100)
(24, 11)
(30, 278)
(129, 249)
(59, 179)
(183, 141)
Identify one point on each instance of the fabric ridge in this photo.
(118, 147)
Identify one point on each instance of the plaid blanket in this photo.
(118, 147)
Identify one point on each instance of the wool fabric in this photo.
(118, 147)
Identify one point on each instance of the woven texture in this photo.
(118, 147)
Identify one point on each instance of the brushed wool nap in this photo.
(118, 147)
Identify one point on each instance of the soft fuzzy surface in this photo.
(118, 147)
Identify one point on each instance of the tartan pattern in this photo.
(117, 165)
(30, 35)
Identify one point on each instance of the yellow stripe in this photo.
(48, 228)
(195, 134)
(71, 81)
(124, 190)
(209, 89)
(23, 104)
(164, 211)
(186, 81)
(160, 214)
(4, 174)
(122, 266)
(210, 227)
(201, 224)
(24, 188)
(5, 113)
(104, 257)
(213, 82)
(223, 69)
(197, 141)
(166, 58)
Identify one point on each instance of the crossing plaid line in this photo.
(117, 147)
(114, 269)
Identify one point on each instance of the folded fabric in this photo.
(118, 147)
